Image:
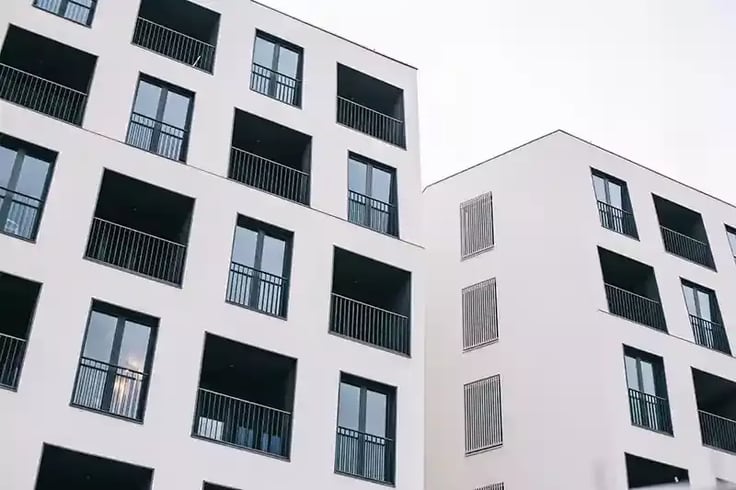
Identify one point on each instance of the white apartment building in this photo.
(582, 332)
(210, 270)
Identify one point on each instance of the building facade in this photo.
(582, 334)
(210, 270)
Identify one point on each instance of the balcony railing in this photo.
(12, 351)
(370, 324)
(267, 175)
(76, 11)
(617, 219)
(687, 247)
(242, 423)
(276, 85)
(157, 137)
(370, 122)
(710, 334)
(22, 215)
(650, 411)
(136, 251)
(718, 432)
(256, 289)
(174, 44)
(636, 308)
(372, 213)
(365, 455)
(111, 389)
(39, 94)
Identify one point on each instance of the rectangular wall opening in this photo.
(716, 398)
(683, 232)
(642, 472)
(17, 305)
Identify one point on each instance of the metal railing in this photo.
(370, 324)
(635, 307)
(174, 44)
(268, 175)
(717, 431)
(650, 411)
(710, 334)
(112, 389)
(22, 215)
(372, 213)
(157, 137)
(276, 85)
(687, 247)
(75, 11)
(365, 455)
(256, 289)
(12, 352)
(242, 423)
(39, 94)
(371, 122)
(616, 219)
(136, 251)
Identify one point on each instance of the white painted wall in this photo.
(565, 406)
(40, 412)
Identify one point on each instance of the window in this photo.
(115, 364)
(614, 206)
(79, 11)
(480, 314)
(647, 391)
(259, 269)
(705, 317)
(476, 225)
(483, 425)
(277, 69)
(372, 195)
(731, 234)
(365, 429)
(683, 232)
(25, 175)
(161, 119)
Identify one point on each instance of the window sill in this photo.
(369, 480)
(256, 310)
(484, 450)
(368, 344)
(285, 459)
(108, 414)
(475, 254)
(480, 346)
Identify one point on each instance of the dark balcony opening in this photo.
(683, 232)
(79, 11)
(270, 157)
(17, 305)
(370, 105)
(180, 30)
(631, 290)
(277, 69)
(245, 397)
(45, 75)
(705, 317)
(648, 402)
(614, 204)
(64, 469)
(366, 428)
(259, 267)
(212, 486)
(140, 228)
(642, 472)
(371, 302)
(716, 398)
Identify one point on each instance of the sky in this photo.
(651, 80)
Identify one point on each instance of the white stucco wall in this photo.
(565, 407)
(39, 411)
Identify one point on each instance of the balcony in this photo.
(79, 11)
(710, 334)
(683, 232)
(245, 397)
(270, 157)
(716, 399)
(63, 468)
(140, 228)
(277, 69)
(650, 411)
(17, 304)
(617, 220)
(614, 204)
(370, 106)
(371, 302)
(364, 455)
(372, 195)
(631, 290)
(180, 30)
(45, 76)
(642, 472)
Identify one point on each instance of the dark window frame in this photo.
(62, 8)
(280, 44)
(371, 165)
(626, 205)
(712, 298)
(658, 418)
(23, 148)
(731, 232)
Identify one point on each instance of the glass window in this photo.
(100, 336)
(263, 52)
(176, 110)
(32, 179)
(244, 248)
(7, 159)
(732, 240)
(632, 376)
(147, 100)
(644, 374)
(349, 407)
(381, 185)
(600, 188)
(375, 413)
(134, 346)
(288, 62)
(272, 259)
(615, 195)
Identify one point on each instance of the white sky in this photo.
(652, 80)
